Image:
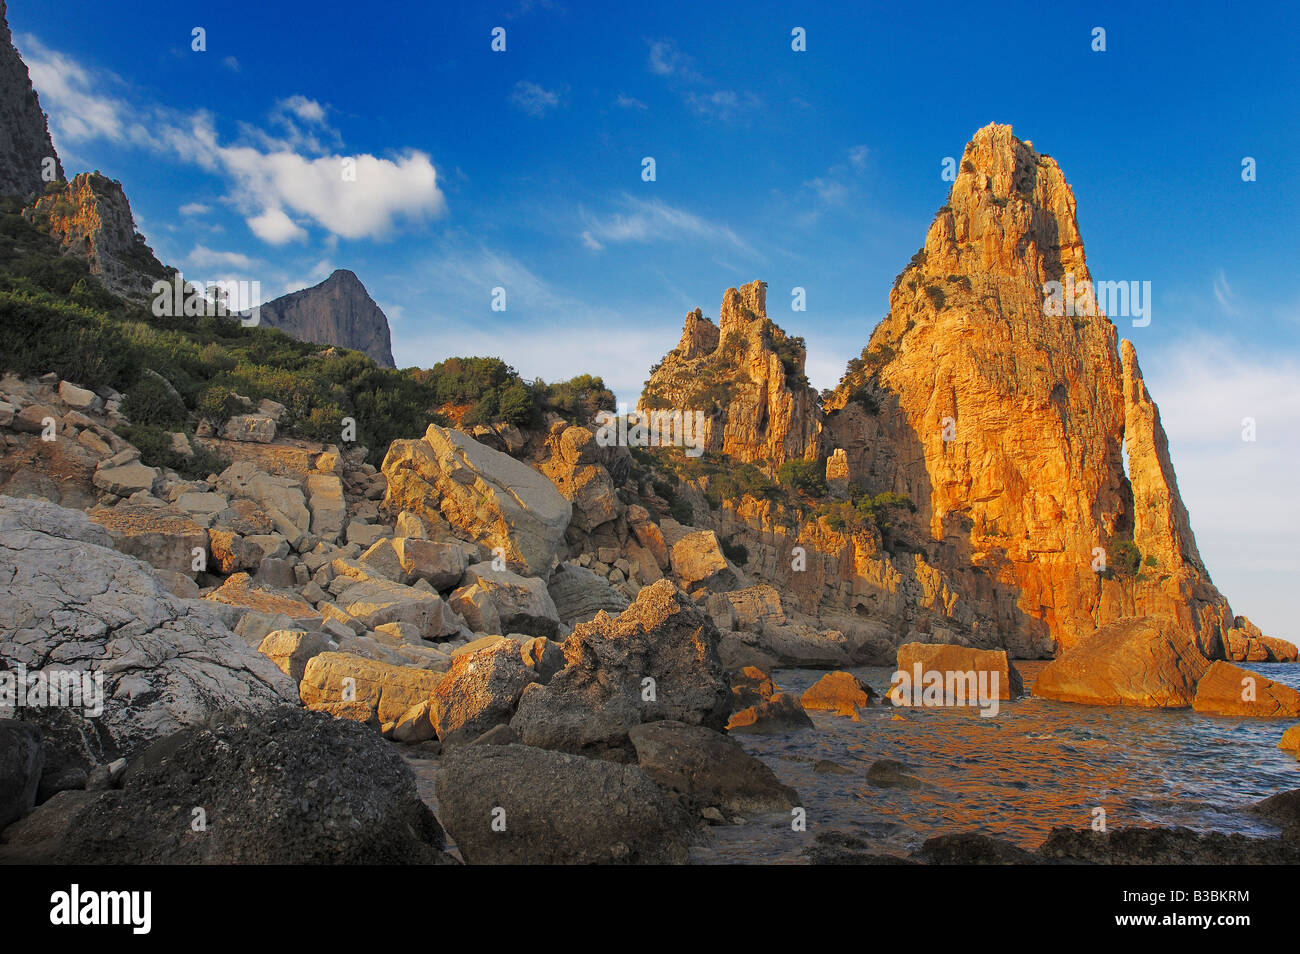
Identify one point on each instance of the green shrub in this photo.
(150, 402)
(734, 552)
(808, 476)
(682, 511)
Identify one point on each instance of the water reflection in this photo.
(1035, 765)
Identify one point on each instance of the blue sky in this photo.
(818, 169)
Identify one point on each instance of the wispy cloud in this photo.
(628, 102)
(702, 95)
(652, 220)
(533, 99)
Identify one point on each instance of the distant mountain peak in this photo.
(338, 311)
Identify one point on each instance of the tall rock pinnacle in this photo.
(1005, 422)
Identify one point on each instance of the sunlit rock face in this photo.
(747, 376)
(1005, 421)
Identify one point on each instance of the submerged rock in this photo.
(708, 768)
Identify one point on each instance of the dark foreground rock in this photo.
(710, 769)
(285, 786)
(1166, 846)
(971, 848)
(21, 762)
(515, 804)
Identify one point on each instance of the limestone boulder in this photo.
(657, 660)
(1229, 690)
(521, 604)
(579, 594)
(480, 690)
(948, 658)
(331, 679)
(486, 495)
(292, 649)
(374, 602)
(329, 509)
(165, 538)
(839, 692)
(254, 428)
(1137, 661)
(125, 479)
(697, 560)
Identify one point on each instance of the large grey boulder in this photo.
(70, 602)
(486, 496)
(513, 804)
(579, 594)
(500, 601)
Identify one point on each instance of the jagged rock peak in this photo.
(339, 311)
(92, 219)
(25, 144)
(747, 376)
(1005, 421)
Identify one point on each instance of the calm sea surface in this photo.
(1035, 765)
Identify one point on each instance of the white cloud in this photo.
(195, 208)
(590, 241)
(701, 94)
(628, 102)
(276, 228)
(293, 170)
(231, 63)
(308, 110)
(533, 99)
(204, 257)
(1224, 295)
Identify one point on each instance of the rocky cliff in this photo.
(338, 311)
(1006, 423)
(747, 375)
(92, 219)
(25, 146)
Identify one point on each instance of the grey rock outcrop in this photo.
(339, 311)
